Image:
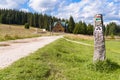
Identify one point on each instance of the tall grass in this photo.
(63, 60)
(81, 38)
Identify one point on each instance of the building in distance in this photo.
(60, 27)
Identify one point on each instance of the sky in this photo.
(81, 10)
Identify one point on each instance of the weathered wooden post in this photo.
(99, 41)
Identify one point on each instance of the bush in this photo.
(27, 26)
(112, 36)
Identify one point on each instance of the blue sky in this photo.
(80, 9)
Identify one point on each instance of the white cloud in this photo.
(24, 10)
(86, 9)
(43, 5)
(82, 10)
(117, 0)
(11, 4)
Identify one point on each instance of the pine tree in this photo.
(111, 29)
(84, 28)
(71, 24)
(0, 18)
(77, 28)
(90, 29)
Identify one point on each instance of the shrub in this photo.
(112, 36)
(27, 26)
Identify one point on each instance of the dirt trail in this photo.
(78, 42)
(10, 51)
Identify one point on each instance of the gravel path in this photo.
(10, 51)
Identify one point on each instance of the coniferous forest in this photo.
(20, 18)
(44, 21)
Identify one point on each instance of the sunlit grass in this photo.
(64, 60)
(81, 38)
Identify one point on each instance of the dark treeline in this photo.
(79, 27)
(87, 29)
(20, 18)
(44, 21)
(83, 28)
(112, 29)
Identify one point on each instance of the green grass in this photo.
(63, 60)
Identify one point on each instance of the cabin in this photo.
(60, 27)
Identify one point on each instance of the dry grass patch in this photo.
(79, 36)
(11, 32)
(115, 37)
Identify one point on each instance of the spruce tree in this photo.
(90, 29)
(71, 24)
(84, 28)
(77, 28)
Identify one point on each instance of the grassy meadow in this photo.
(64, 60)
(11, 32)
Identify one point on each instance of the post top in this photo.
(98, 15)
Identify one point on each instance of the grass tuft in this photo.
(8, 37)
(104, 66)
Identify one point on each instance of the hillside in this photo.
(11, 32)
